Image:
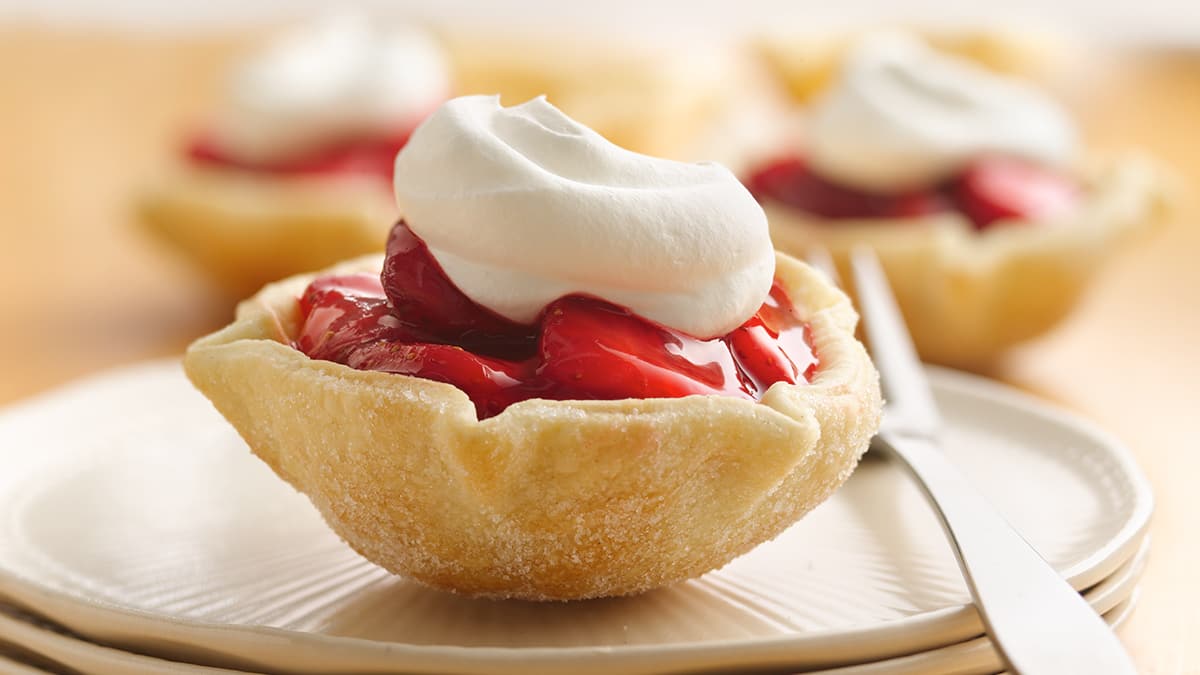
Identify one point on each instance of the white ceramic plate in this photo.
(63, 651)
(10, 666)
(1113, 597)
(14, 661)
(132, 514)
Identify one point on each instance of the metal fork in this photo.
(1038, 623)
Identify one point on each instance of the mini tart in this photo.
(968, 295)
(247, 229)
(806, 64)
(549, 500)
(652, 99)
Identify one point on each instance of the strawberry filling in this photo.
(359, 156)
(413, 320)
(989, 191)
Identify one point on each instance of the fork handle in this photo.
(1038, 623)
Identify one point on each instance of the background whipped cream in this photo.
(523, 205)
(902, 115)
(338, 78)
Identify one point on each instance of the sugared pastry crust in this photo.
(549, 499)
(968, 295)
(247, 229)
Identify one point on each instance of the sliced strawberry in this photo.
(774, 345)
(423, 296)
(792, 182)
(585, 349)
(913, 204)
(608, 352)
(492, 384)
(759, 356)
(372, 156)
(341, 312)
(772, 180)
(1000, 188)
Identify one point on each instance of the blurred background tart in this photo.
(293, 170)
(972, 186)
(650, 96)
(807, 62)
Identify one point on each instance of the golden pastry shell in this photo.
(246, 229)
(550, 499)
(969, 295)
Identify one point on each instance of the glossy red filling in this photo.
(413, 320)
(988, 191)
(361, 156)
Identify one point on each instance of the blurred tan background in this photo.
(1157, 21)
(88, 115)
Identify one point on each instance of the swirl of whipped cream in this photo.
(339, 78)
(523, 205)
(902, 115)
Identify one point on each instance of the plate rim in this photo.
(1121, 606)
(888, 638)
(1118, 597)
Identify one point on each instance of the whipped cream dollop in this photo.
(902, 115)
(342, 77)
(523, 205)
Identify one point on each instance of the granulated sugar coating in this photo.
(549, 500)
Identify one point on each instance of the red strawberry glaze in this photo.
(791, 181)
(363, 156)
(342, 312)
(990, 189)
(1006, 189)
(424, 296)
(416, 322)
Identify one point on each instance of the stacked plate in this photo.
(139, 535)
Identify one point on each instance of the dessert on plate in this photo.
(577, 371)
(293, 173)
(987, 217)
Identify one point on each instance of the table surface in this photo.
(88, 118)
